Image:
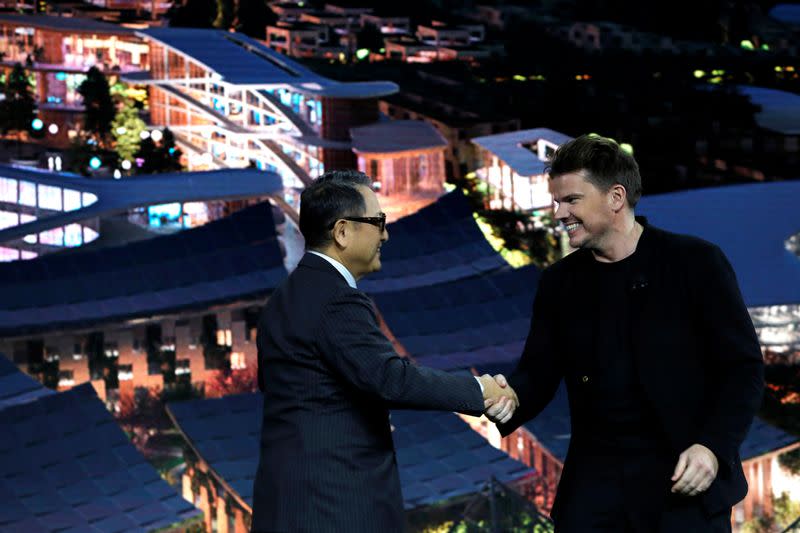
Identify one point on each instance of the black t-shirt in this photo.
(614, 404)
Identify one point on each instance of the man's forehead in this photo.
(370, 198)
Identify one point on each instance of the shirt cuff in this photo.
(479, 383)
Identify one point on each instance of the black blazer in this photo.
(697, 353)
(329, 376)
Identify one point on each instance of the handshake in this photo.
(499, 399)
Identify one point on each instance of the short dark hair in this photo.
(605, 162)
(330, 197)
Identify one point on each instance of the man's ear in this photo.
(341, 233)
(618, 197)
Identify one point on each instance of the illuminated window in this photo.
(111, 350)
(8, 219)
(50, 197)
(125, 372)
(224, 337)
(8, 190)
(29, 255)
(27, 193)
(165, 214)
(195, 214)
(238, 361)
(72, 200)
(72, 235)
(24, 219)
(8, 254)
(54, 237)
(182, 367)
(66, 378)
(89, 198)
(51, 354)
(423, 166)
(89, 235)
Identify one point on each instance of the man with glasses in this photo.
(329, 378)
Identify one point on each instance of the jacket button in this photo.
(584, 379)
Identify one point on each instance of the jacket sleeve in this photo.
(733, 356)
(352, 344)
(539, 371)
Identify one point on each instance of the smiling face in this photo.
(363, 254)
(587, 213)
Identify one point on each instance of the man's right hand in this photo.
(500, 400)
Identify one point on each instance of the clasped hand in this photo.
(499, 398)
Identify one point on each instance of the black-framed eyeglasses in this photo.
(378, 221)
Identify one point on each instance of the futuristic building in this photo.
(513, 164)
(58, 51)
(43, 212)
(232, 101)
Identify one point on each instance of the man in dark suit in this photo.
(662, 365)
(329, 377)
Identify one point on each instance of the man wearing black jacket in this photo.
(661, 362)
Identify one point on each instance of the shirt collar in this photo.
(338, 266)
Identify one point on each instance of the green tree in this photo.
(100, 109)
(126, 128)
(18, 109)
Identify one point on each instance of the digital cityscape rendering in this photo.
(152, 159)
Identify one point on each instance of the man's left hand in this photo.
(696, 469)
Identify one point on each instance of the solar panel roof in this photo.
(17, 387)
(235, 257)
(439, 455)
(65, 465)
(751, 223)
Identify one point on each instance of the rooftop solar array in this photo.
(751, 224)
(66, 466)
(470, 322)
(437, 244)
(512, 150)
(229, 58)
(439, 455)
(786, 13)
(234, 257)
(779, 110)
(229, 258)
(71, 24)
(241, 60)
(396, 136)
(17, 387)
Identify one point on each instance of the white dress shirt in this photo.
(348, 277)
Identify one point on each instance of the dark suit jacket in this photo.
(329, 376)
(696, 352)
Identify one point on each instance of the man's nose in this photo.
(385, 235)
